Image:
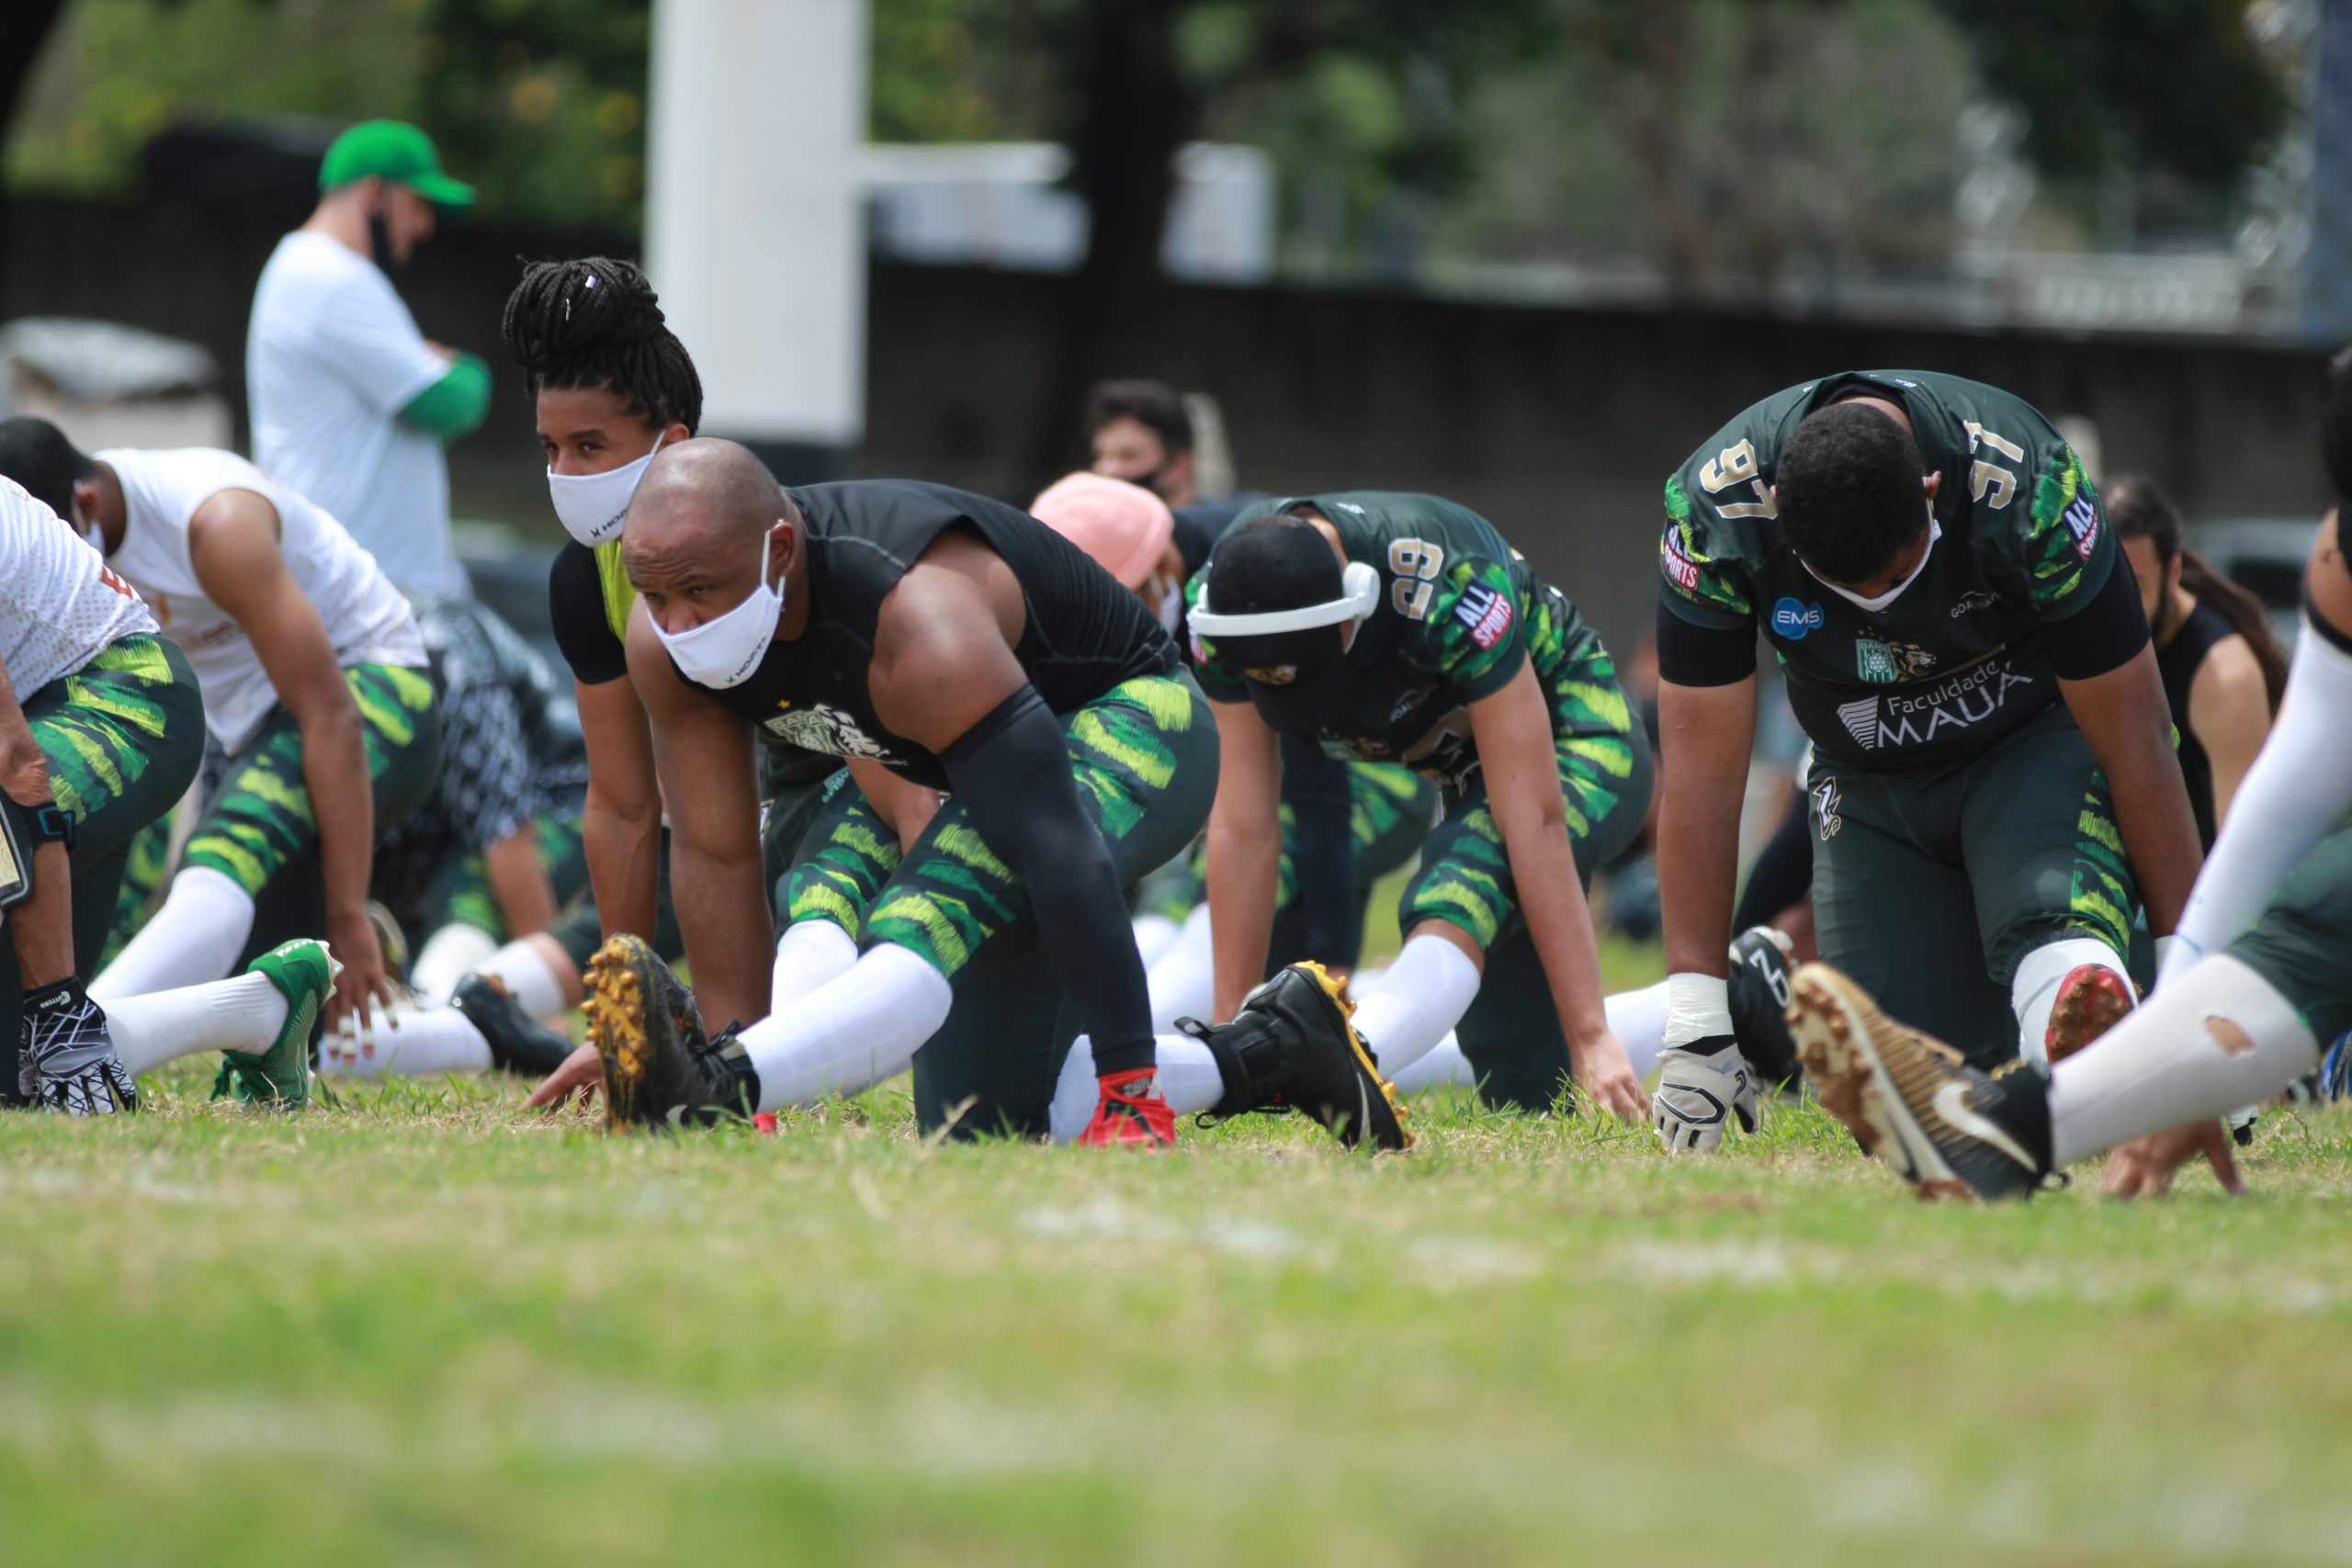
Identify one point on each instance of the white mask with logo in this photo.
(1872, 606)
(725, 650)
(592, 506)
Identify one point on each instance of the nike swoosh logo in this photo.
(1951, 1104)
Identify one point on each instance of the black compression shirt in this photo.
(2177, 661)
(1082, 633)
(582, 619)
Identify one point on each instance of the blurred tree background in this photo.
(1720, 147)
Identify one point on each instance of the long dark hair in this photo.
(596, 322)
(2139, 511)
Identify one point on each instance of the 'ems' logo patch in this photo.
(1792, 619)
(1486, 613)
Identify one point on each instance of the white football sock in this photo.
(808, 955)
(1189, 1081)
(1183, 980)
(1635, 1018)
(407, 1042)
(242, 1014)
(850, 1034)
(1423, 995)
(2295, 795)
(2216, 1037)
(522, 970)
(1153, 933)
(1442, 1065)
(195, 937)
(2034, 990)
(447, 956)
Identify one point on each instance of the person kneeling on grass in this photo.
(1403, 629)
(314, 684)
(2257, 980)
(960, 644)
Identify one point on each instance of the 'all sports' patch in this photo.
(1486, 613)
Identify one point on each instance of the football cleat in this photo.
(1912, 1102)
(1292, 1048)
(1758, 995)
(2091, 1000)
(517, 1042)
(1130, 1113)
(66, 1061)
(303, 971)
(661, 1069)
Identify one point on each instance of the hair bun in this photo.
(563, 308)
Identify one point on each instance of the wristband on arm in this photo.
(1698, 1007)
(23, 829)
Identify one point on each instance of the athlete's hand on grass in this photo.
(361, 984)
(583, 1073)
(1700, 1087)
(2145, 1167)
(1605, 1073)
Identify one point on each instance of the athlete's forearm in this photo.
(624, 853)
(1705, 734)
(1550, 899)
(343, 800)
(1243, 866)
(731, 937)
(42, 926)
(519, 883)
(2123, 715)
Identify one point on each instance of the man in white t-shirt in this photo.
(351, 405)
(315, 683)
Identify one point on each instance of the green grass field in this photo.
(429, 1328)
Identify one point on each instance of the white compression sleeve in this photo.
(1189, 1081)
(808, 955)
(522, 970)
(409, 1043)
(447, 956)
(242, 1014)
(1636, 1018)
(195, 937)
(2295, 795)
(852, 1033)
(2214, 1038)
(2033, 992)
(1422, 996)
(1183, 978)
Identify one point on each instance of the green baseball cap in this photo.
(396, 151)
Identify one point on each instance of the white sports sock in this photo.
(1423, 995)
(242, 1014)
(808, 955)
(1189, 1081)
(1442, 1065)
(1183, 980)
(852, 1033)
(2034, 990)
(1638, 1018)
(195, 937)
(447, 956)
(407, 1042)
(2216, 1037)
(2295, 795)
(1635, 1018)
(1153, 933)
(522, 970)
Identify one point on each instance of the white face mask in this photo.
(1935, 532)
(88, 530)
(592, 506)
(725, 650)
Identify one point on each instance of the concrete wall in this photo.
(1561, 425)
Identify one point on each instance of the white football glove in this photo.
(1700, 1087)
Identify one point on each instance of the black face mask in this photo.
(379, 241)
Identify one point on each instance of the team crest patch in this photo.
(1680, 568)
(1485, 612)
(1874, 662)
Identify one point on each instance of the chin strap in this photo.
(1359, 596)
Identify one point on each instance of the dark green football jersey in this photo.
(1957, 661)
(1460, 612)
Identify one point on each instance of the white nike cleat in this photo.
(1944, 1127)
